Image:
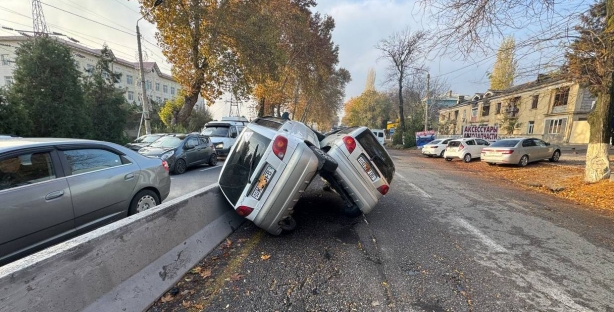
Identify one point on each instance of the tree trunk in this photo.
(600, 120)
(401, 115)
(186, 109)
(261, 107)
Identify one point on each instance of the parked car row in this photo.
(274, 160)
(518, 151)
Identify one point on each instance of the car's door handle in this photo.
(54, 195)
(129, 176)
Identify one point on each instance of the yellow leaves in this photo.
(205, 273)
(265, 257)
(167, 298)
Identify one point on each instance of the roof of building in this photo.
(79, 47)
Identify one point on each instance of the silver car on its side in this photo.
(54, 189)
(520, 151)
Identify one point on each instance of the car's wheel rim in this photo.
(556, 156)
(524, 161)
(467, 158)
(180, 166)
(145, 203)
(213, 160)
(441, 154)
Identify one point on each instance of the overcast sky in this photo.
(360, 25)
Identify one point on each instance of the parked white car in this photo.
(465, 149)
(380, 135)
(435, 147)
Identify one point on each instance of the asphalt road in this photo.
(194, 178)
(442, 240)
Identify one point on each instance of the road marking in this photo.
(216, 167)
(419, 190)
(485, 239)
(400, 176)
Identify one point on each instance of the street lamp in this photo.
(145, 101)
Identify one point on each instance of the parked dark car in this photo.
(182, 151)
(144, 141)
(54, 189)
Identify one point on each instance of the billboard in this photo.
(482, 132)
(424, 137)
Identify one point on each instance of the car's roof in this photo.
(12, 143)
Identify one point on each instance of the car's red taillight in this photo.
(485, 150)
(383, 189)
(461, 147)
(165, 165)
(506, 152)
(244, 211)
(434, 146)
(350, 143)
(279, 146)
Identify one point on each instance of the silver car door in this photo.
(101, 182)
(36, 208)
(545, 151)
(529, 148)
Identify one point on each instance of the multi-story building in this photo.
(551, 108)
(160, 86)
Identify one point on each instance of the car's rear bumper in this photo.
(448, 154)
(295, 178)
(430, 151)
(501, 159)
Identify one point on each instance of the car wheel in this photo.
(352, 212)
(142, 201)
(491, 164)
(524, 160)
(287, 224)
(467, 158)
(441, 154)
(329, 164)
(449, 159)
(213, 160)
(180, 166)
(555, 157)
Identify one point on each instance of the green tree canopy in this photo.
(504, 69)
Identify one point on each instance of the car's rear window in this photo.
(434, 142)
(272, 124)
(454, 143)
(505, 143)
(377, 153)
(242, 163)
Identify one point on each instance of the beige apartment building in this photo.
(550, 108)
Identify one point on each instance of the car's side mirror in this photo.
(233, 135)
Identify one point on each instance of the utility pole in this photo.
(428, 97)
(145, 99)
(38, 19)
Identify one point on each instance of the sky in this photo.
(360, 25)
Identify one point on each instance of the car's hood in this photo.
(136, 146)
(154, 151)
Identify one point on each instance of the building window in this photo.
(172, 90)
(498, 110)
(130, 96)
(534, 103)
(89, 68)
(158, 99)
(129, 80)
(560, 98)
(165, 88)
(5, 59)
(531, 127)
(8, 81)
(485, 111)
(554, 126)
(148, 85)
(157, 86)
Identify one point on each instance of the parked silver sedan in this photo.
(54, 189)
(520, 151)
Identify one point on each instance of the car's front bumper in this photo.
(222, 152)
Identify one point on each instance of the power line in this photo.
(129, 8)
(76, 6)
(91, 20)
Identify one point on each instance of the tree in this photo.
(14, 117)
(170, 111)
(504, 70)
(47, 85)
(402, 50)
(469, 24)
(370, 84)
(107, 104)
(371, 109)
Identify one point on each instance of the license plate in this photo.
(263, 181)
(366, 166)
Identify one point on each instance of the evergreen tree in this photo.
(502, 76)
(108, 108)
(14, 117)
(48, 87)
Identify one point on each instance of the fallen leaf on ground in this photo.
(166, 298)
(196, 270)
(205, 273)
(186, 304)
(265, 257)
(236, 277)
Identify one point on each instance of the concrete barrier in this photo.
(124, 266)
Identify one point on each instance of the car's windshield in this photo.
(147, 139)
(241, 163)
(216, 131)
(167, 142)
(434, 142)
(505, 143)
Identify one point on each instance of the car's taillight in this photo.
(434, 146)
(506, 152)
(165, 165)
(279, 147)
(485, 150)
(383, 189)
(350, 143)
(244, 211)
(460, 148)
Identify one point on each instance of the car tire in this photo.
(524, 160)
(180, 166)
(213, 160)
(467, 158)
(328, 163)
(555, 157)
(142, 201)
(449, 159)
(491, 164)
(351, 212)
(287, 224)
(441, 154)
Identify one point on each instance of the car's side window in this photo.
(25, 169)
(539, 142)
(445, 142)
(192, 142)
(528, 143)
(470, 142)
(86, 160)
(203, 141)
(481, 142)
